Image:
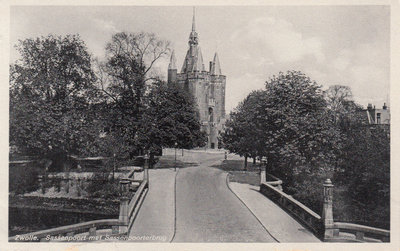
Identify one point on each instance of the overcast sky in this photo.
(347, 45)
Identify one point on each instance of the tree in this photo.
(363, 165)
(339, 99)
(288, 123)
(124, 78)
(240, 135)
(170, 117)
(367, 168)
(297, 129)
(51, 88)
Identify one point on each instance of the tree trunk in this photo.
(245, 162)
(254, 160)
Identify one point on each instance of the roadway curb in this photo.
(173, 236)
(237, 196)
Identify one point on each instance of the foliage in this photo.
(170, 118)
(338, 98)
(23, 179)
(288, 123)
(51, 87)
(365, 171)
(124, 78)
(101, 186)
(307, 136)
(240, 135)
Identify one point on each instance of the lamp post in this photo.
(176, 144)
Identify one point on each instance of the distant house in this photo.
(378, 116)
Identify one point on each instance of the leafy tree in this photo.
(170, 117)
(297, 129)
(124, 78)
(288, 123)
(363, 166)
(51, 88)
(240, 135)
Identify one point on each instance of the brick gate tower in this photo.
(207, 87)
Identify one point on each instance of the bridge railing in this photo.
(361, 233)
(324, 226)
(273, 190)
(71, 230)
(129, 208)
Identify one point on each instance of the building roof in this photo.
(216, 67)
(172, 62)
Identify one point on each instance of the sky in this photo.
(346, 45)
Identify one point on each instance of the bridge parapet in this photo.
(294, 207)
(341, 231)
(72, 232)
(324, 226)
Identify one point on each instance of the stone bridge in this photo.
(199, 204)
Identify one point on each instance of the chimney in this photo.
(369, 107)
(384, 106)
(211, 63)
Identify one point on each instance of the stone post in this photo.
(327, 211)
(262, 175)
(263, 170)
(226, 155)
(124, 205)
(146, 168)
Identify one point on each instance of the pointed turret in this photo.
(216, 67)
(198, 64)
(172, 71)
(172, 62)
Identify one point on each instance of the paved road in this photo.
(207, 211)
(155, 220)
(280, 224)
(204, 209)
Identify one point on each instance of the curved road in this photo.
(207, 211)
(203, 209)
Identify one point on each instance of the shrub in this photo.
(23, 178)
(102, 186)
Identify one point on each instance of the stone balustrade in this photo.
(341, 231)
(297, 209)
(323, 226)
(90, 227)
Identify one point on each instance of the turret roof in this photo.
(216, 67)
(172, 62)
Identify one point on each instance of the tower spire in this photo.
(193, 38)
(194, 19)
